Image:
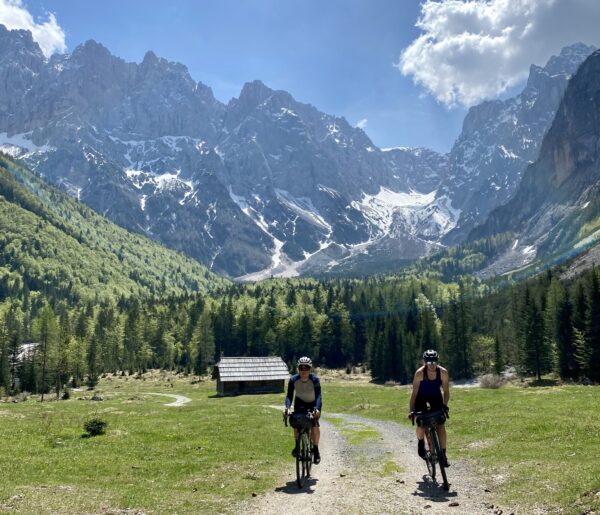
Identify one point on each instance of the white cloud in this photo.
(361, 124)
(471, 50)
(49, 35)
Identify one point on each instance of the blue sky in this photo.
(366, 60)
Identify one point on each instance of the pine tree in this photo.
(535, 352)
(5, 379)
(565, 340)
(498, 361)
(46, 331)
(592, 329)
(203, 341)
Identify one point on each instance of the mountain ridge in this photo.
(263, 185)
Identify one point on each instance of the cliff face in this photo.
(501, 138)
(558, 195)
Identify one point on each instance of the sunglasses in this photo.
(303, 367)
(431, 362)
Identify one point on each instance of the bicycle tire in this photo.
(440, 455)
(430, 456)
(308, 453)
(299, 463)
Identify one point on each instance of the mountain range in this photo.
(263, 185)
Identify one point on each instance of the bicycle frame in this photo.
(434, 454)
(304, 452)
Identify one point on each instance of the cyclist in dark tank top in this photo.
(430, 392)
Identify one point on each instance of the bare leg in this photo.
(316, 435)
(441, 431)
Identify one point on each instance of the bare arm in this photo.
(445, 385)
(415, 391)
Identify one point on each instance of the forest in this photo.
(544, 325)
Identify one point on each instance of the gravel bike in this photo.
(303, 423)
(430, 420)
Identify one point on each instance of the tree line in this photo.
(381, 323)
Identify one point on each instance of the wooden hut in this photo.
(250, 375)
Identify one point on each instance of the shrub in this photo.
(66, 395)
(20, 397)
(94, 427)
(492, 381)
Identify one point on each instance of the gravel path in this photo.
(180, 400)
(350, 478)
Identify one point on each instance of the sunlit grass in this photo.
(152, 457)
(355, 433)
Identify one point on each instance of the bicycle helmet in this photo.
(430, 355)
(304, 360)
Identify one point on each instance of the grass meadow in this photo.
(529, 443)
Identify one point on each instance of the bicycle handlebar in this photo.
(309, 415)
(414, 414)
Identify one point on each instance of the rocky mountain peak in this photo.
(569, 59)
(254, 93)
(159, 67)
(19, 44)
(91, 52)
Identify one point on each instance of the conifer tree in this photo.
(535, 353)
(46, 331)
(592, 329)
(565, 340)
(203, 340)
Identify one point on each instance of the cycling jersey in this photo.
(307, 394)
(430, 392)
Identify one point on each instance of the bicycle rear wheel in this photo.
(441, 459)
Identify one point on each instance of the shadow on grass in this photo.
(433, 491)
(291, 487)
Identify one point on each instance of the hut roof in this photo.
(251, 369)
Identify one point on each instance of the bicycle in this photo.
(430, 420)
(303, 423)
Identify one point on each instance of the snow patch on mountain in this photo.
(380, 209)
(304, 208)
(19, 145)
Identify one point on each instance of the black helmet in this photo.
(305, 361)
(430, 355)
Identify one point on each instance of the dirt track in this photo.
(350, 478)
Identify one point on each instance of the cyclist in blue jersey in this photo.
(306, 388)
(431, 392)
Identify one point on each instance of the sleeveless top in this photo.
(430, 388)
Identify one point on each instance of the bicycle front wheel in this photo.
(430, 456)
(300, 477)
(441, 459)
(306, 454)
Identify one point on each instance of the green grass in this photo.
(529, 443)
(355, 433)
(390, 468)
(152, 458)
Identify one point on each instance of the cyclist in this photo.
(428, 384)
(307, 388)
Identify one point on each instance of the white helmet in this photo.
(304, 360)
